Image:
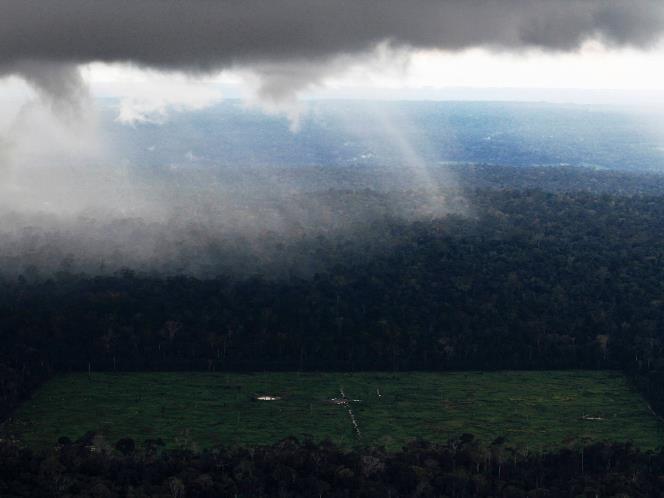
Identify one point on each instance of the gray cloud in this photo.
(307, 36)
(60, 85)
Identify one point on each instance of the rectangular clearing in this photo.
(534, 409)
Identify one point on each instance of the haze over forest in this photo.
(327, 248)
(175, 195)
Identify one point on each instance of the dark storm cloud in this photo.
(60, 84)
(205, 35)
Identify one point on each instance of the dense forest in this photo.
(567, 275)
(525, 279)
(461, 468)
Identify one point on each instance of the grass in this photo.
(534, 409)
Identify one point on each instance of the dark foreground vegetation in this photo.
(92, 467)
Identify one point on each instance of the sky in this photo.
(588, 73)
(426, 74)
(593, 74)
(189, 54)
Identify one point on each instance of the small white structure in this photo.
(588, 417)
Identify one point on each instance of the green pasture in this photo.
(537, 410)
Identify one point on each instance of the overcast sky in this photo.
(592, 74)
(198, 51)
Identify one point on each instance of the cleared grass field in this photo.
(533, 409)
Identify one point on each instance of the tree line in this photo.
(460, 468)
